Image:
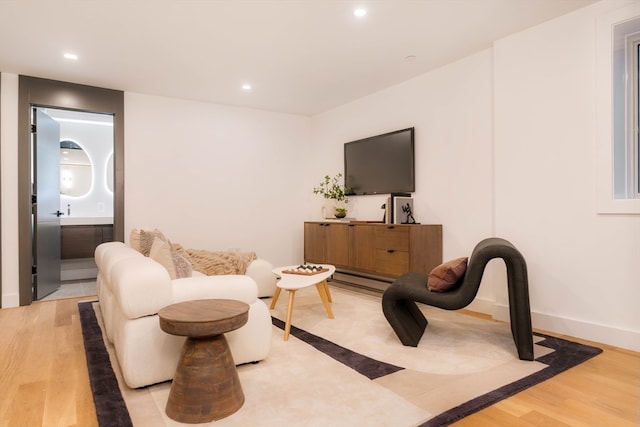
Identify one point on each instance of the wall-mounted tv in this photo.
(381, 164)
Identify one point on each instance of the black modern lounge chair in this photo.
(408, 322)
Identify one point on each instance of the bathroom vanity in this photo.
(79, 236)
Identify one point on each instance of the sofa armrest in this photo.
(228, 286)
(108, 254)
(103, 248)
(140, 286)
(261, 271)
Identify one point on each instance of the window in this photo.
(617, 154)
(626, 45)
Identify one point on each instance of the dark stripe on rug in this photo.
(110, 407)
(567, 354)
(370, 368)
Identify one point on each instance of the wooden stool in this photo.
(206, 385)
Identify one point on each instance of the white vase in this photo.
(328, 209)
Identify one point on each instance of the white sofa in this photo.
(132, 288)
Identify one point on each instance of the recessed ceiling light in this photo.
(360, 12)
(246, 86)
(69, 55)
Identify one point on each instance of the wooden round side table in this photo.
(206, 385)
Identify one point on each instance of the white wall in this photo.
(9, 182)
(209, 176)
(451, 110)
(505, 146)
(216, 177)
(584, 268)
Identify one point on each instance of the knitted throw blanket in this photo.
(217, 262)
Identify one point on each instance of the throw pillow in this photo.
(181, 264)
(445, 276)
(147, 238)
(163, 253)
(134, 236)
(134, 239)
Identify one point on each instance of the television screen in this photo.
(382, 164)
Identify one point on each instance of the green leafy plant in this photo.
(332, 188)
(340, 212)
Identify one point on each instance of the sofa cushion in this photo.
(446, 275)
(229, 286)
(163, 252)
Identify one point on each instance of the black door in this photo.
(46, 210)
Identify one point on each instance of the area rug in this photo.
(350, 370)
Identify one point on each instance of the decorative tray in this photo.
(306, 270)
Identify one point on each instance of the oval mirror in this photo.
(110, 172)
(76, 172)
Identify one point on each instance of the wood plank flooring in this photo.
(604, 391)
(43, 370)
(44, 380)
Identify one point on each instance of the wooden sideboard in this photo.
(385, 250)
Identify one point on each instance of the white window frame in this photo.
(625, 110)
(609, 199)
(634, 139)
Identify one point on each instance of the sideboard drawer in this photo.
(391, 262)
(394, 238)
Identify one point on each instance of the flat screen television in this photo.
(381, 164)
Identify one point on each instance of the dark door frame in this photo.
(55, 94)
(0, 197)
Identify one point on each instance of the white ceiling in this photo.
(300, 56)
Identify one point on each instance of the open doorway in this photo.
(35, 92)
(73, 182)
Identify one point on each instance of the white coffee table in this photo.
(293, 282)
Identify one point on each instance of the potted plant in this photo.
(333, 189)
(340, 212)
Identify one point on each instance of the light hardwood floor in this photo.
(44, 380)
(43, 371)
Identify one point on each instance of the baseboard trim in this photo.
(481, 306)
(604, 334)
(10, 300)
(359, 281)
